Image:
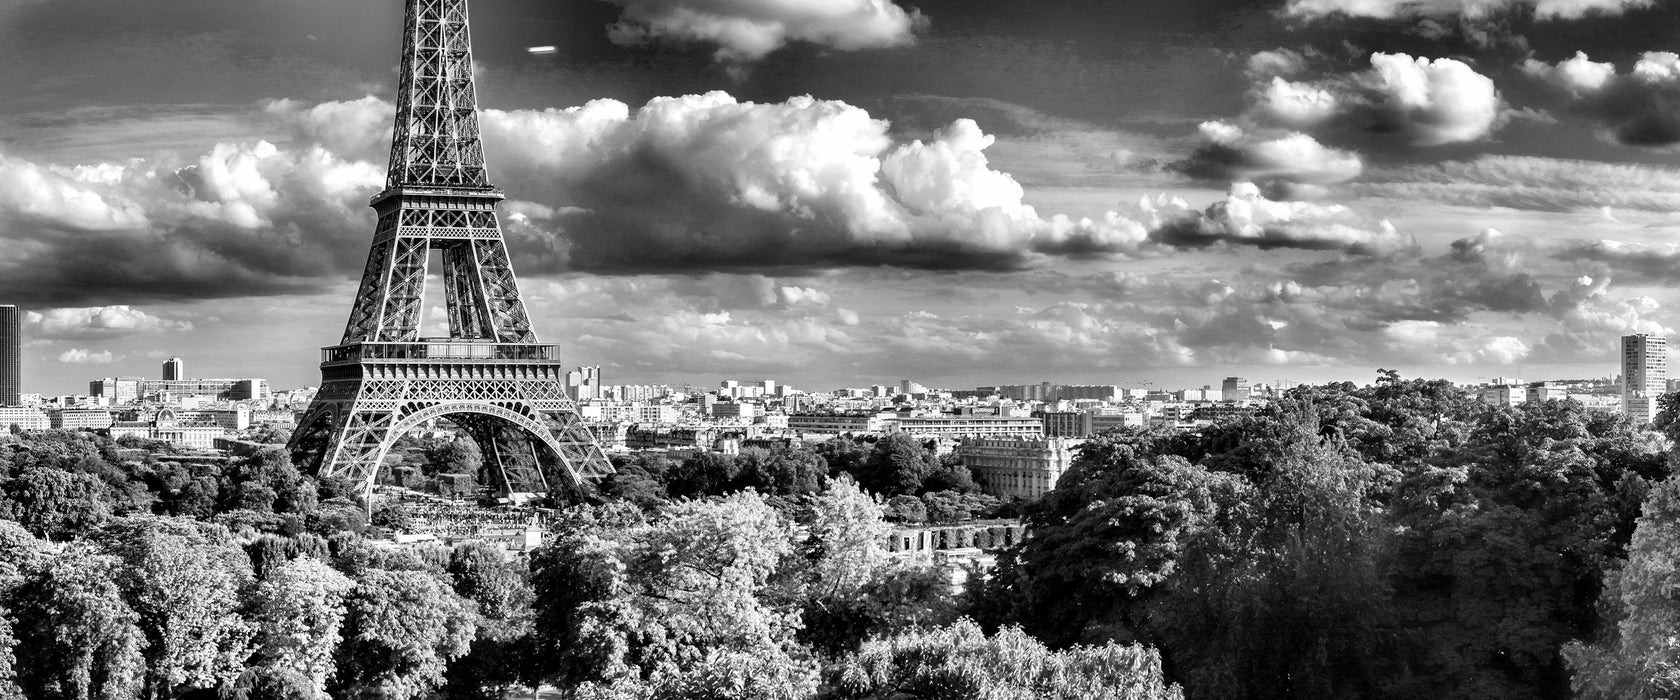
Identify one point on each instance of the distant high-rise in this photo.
(11, 357)
(584, 383)
(1236, 389)
(174, 369)
(1644, 374)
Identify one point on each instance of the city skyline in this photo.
(884, 235)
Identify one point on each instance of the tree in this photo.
(958, 506)
(573, 577)
(950, 474)
(845, 454)
(482, 575)
(846, 544)
(298, 612)
(391, 515)
(1285, 596)
(1508, 535)
(9, 689)
(897, 465)
(401, 630)
(783, 470)
(960, 661)
(20, 553)
(1113, 528)
(56, 504)
(185, 490)
(1640, 657)
(846, 585)
(82, 641)
(638, 478)
(458, 456)
(265, 481)
(905, 509)
(704, 474)
(650, 600)
(183, 579)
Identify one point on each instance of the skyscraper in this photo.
(11, 357)
(1235, 389)
(174, 369)
(1644, 374)
(584, 383)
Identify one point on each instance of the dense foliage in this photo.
(1393, 541)
(1399, 540)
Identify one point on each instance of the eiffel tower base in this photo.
(509, 397)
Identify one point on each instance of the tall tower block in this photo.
(1644, 374)
(174, 369)
(490, 375)
(11, 357)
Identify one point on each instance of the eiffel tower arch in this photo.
(490, 375)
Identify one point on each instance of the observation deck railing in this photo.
(438, 349)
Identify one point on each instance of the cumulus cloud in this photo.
(78, 356)
(352, 129)
(1277, 62)
(1590, 319)
(98, 322)
(708, 182)
(747, 30)
(1433, 101)
(239, 219)
(802, 296)
(1638, 108)
(1228, 153)
(1246, 218)
(1400, 9)
(1578, 75)
(1296, 105)
(1429, 102)
(692, 183)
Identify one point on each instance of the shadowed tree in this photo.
(82, 641)
(897, 465)
(1640, 656)
(56, 504)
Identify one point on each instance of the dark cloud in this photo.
(1640, 107)
(1659, 264)
(749, 30)
(239, 220)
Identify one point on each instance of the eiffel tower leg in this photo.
(344, 439)
(580, 455)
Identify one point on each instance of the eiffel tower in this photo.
(490, 376)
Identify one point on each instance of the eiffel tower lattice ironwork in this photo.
(490, 375)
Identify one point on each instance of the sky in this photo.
(849, 192)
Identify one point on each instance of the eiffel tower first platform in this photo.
(490, 376)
